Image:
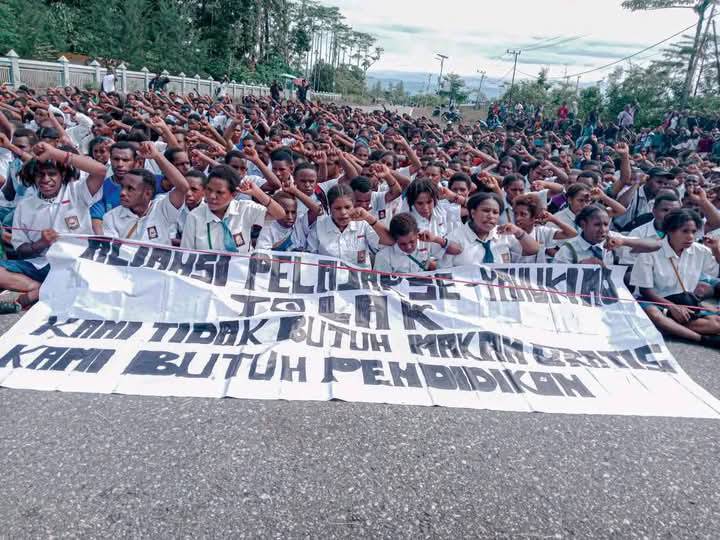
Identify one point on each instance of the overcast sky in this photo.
(476, 33)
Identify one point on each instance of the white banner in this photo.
(159, 321)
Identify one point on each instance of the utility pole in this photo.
(577, 85)
(512, 84)
(442, 59)
(717, 56)
(479, 91)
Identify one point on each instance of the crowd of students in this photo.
(376, 190)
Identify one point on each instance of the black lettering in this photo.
(227, 333)
(480, 380)
(286, 373)
(413, 313)
(371, 370)
(202, 334)
(326, 306)
(205, 268)
(269, 371)
(152, 363)
(366, 305)
(276, 275)
(249, 303)
(344, 365)
(183, 263)
(437, 376)
(184, 369)
(259, 264)
(572, 385)
(53, 326)
(407, 377)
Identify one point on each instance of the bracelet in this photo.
(269, 200)
(68, 157)
(374, 223)
(523, 235)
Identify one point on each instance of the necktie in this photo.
(488, 258)
(228, 239)
(597, 252)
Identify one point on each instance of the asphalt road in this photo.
(124, 466)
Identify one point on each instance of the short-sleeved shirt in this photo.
(158, 225)
(67, 213)
(204, 230)
(544, 235)
(578, 249)
(505, 247)
(278, 238)
(437, 224)
(567, 216)
(655, 270)
(352, 245)
(394, 259)
(646, 231)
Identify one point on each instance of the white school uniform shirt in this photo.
(81, 132)
(453, 214)
(183, 214)
(325, 187)
(68, 212)
(655, 270)
(157, 225)
(505, 248)
(567, 216)
(287, 239)
(353, 245)
(203, 229)
(646, 231)
(544, 235)
(437, 224)
(394, 259)
(582, 249)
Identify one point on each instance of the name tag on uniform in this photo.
(152, 232)
(239, 239)
(72, 222)
(381, 214)
(361, 255)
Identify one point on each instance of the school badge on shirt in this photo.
(152, 232)
(239, 240)
(72, 222)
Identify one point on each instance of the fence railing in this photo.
(16, 71)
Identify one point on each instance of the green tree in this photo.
(454, 88)
(700, 7)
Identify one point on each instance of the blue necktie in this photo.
(597, 252)
(228, 239)
(488, 258)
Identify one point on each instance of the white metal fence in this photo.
(41, 75)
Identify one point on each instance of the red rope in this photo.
(364, 270)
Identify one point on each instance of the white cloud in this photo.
(475, 34)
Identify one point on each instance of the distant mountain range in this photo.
(417, 82)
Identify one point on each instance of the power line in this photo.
(562, 41)
(632, 55)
